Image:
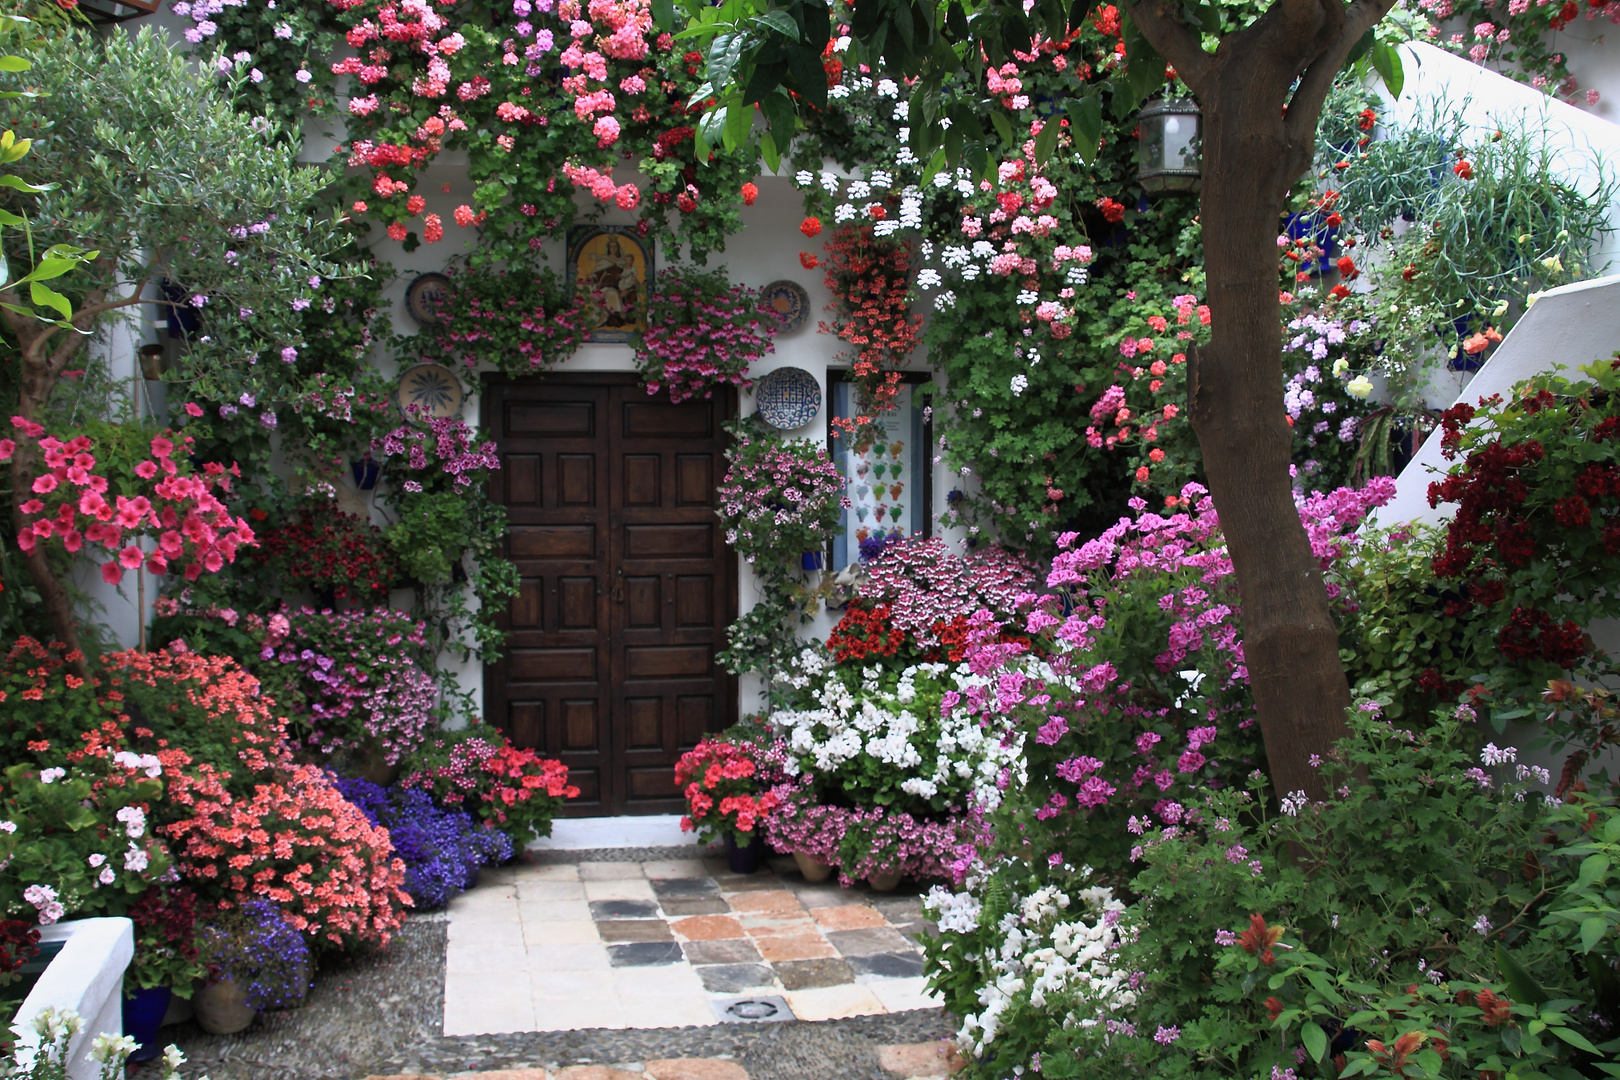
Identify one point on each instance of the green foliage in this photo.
(68, 838)
(1491, 219)
(153, 167)
(522, 318)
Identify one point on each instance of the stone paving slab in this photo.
(615, 944)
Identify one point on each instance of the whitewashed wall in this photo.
(765, 250)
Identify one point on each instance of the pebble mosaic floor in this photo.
(673, 943)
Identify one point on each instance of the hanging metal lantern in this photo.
(1167, 147)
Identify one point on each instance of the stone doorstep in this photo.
(668, 1069)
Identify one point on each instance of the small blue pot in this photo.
(813, 560)
(143, 1015)
(365, 472)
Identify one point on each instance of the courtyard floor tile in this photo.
(671, 943)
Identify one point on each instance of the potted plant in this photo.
(443, 849)
(255, 960)
(723, 800)
(165, 962)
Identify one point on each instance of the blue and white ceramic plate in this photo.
(790, 302)
(423, 296)
(788, 398)
(433, 389)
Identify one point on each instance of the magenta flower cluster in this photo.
(446, 446)
(881, 841)
(927, 588)
(779, 498)
(357, 671)
(702, 332)
(1159, 588)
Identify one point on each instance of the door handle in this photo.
(618, 587)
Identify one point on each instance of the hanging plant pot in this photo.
(813, 560)
(365, 470)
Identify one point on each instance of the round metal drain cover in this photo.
(752, 1010)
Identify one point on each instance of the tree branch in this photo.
(1177, 42)
(1305, 107)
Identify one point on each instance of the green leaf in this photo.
(1575, 1039)
(781, 22)
(13, 181)
(1368, 40)
(1086, 124)
(1046, 141)
(663, 13)
(1524, 988)
(14, 63)
(1003, 127)
(44, 296)
(1387, 62)
(723, 56)
(767, 150)
(1592, 931)
(1315, 1039)
(1593, 867)
(52, 268)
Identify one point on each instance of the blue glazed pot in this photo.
(813, 560)
(365, 472)
(143, 1015)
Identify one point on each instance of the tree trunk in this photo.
(1290, 642)
(1261, 94)
(40, 367)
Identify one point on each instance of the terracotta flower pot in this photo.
(812, 868)
(884, 882)
(222, 1008)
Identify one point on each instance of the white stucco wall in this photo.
(766, 249)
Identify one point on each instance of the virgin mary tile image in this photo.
(611, 262)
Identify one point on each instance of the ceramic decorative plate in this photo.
(788, 398)
(789, 300)
(423, 296)
(433, 389)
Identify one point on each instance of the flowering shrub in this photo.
(296, 842)
(1043, 955)
(867, 841)
(435, 451)
(207, 705)
(359, 676)
(442, 850)
(929, 595)
(1233, 958)
(1537, 527)
(331, 552)
(780, 498)
(152, 497)
(448, 535)
(701, 332)
(74, 836)
(924, 738)
(477, 769)
(255, 947)
(870, 278)
(44, 706)
(722, 786)
(1147, 703)
(165, 918)
(523, 320)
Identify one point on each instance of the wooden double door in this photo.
(627, 583)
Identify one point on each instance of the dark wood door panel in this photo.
(626, 583)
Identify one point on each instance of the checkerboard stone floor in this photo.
(671, 943)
